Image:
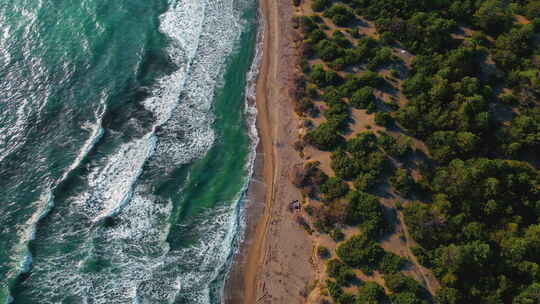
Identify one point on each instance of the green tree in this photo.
(493, 16)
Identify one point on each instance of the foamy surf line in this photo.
(125, 197)
(251, 122)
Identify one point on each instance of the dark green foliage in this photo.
(406, 298)
(481, 225)
(402, 182)
(493, 16)
(337, 235)
(360, 252)
(391, 263)
(334, 188)
(340, 39)
(328, 50)
(371, 293)
(395, 147)
(372, 79)
(522, 134)
(422, 33)
(337, 114)
(340, 14)
(364, 142)
(447, 145)
(323, 252)
(343, 165)
(365, 210)
(334, 290)
(338, 270)
(325, 136)
(531, 295)
(532, 10)
(363, 97)
(399, 283)
(477, 228)
(512, 47)
(366, 181)
(382, 57)
(448, 296)
(306, 106)
(320, 5)
(322, 77)
(384, 119)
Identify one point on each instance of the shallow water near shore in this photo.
(125, 148)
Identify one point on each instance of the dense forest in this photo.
(471, 97)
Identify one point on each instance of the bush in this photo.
(362, 98)
(320, 5)
(340, 14)
(372, 79)
(328, 50)
(323, 252)
(382, 57)
(360, 252)
(371, 293)
(341, 272)
(343, 165)
(391, 263)
(324, 137)
(364, 142)
(365, 181)
(384, 119)
(399, 147)
(337, 235)
(399, 283)
(406, 298)
(403, 183)
(365, 209)
(334, 188)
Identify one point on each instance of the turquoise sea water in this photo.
(125, 147)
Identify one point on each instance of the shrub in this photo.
(399, 282)
(360, 252)
(364, 142)
(384, 119)
(371, 293)
(403, 183)
(320, 5)
(382, 57)
(334, 188)
(363, 97)
(337, 235)
(365, 181)
(372, 79)
(340, 14)
(406, 298)
(323, 252)
(340, 271)
(328, 50)
(324, 137)
(365, 208)
(391, 263)
(342, 165)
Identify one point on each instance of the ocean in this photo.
(126, 144)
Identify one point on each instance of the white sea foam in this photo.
(144, 269)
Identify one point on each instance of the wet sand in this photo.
(273, 265)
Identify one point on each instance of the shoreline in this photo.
(273, 262)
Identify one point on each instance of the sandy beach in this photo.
(274, 261)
